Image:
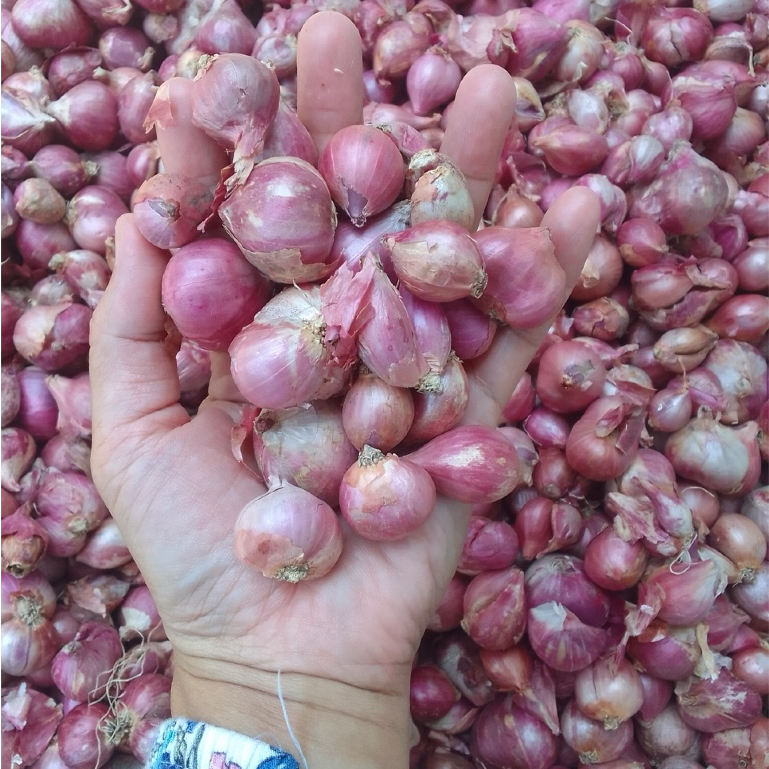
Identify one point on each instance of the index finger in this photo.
(329, 75)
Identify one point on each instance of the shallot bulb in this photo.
(363, 170)
(609, 691)
(376, 413)
(282, 219)
(168, 209)
(211, 292)
(235, 98)
(286, 445)
(437, 261)
(288, 534)
(385, 497)
(525, 282)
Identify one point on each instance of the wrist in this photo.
(334, 723)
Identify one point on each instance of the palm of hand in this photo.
(173, 484)
(183, 502)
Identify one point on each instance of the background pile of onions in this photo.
(612, 608)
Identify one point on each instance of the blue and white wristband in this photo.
(185, 744)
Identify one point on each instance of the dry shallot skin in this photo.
(384, 497)
(364, 171)
(288, 534)
(235, 98)
(283, 220)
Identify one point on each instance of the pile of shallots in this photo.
(611, 605)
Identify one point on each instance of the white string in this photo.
(288, 725)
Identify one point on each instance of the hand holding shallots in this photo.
(343, 643)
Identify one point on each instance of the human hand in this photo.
(344, 643)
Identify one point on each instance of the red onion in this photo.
(18, 454)
(85, 271)
(225, 29)
(612, 563)
(741, 541)
(504, 733)
(742, 373)
(211, 291)
(656, 695)
(755, 506)
(280, 248)
(399, 45)
(432, 80)
(82, 668)
(112, 173)
(105, 548)
(601, 273)
(732, 748)
(752, 266)
(450, 610)
(438, 190)
(677, 213)
(87, 114)
(142, 163)
(219, 108)
(495, 608)
(604, 440)
(376, 413)
(37, 408)
(431, 693)
(50, 24)
(471, 331)
(37, 200)
(286, 446)
(125, 47)
(437, 261)
(570, 376)
(29, 640)
(288, 136)
(71, 498)
(552, 475)
(134, 102)
(30, 720)
(525, 282)
(83, 743)
(432, 334)
(470, 464)
(288, 534)
(521, 402)
(722, 459)
(364, 171)
(488, 545)
(609, 691)
(593, 743)
(570, 149)
(385, 497)
(561, 640)
(279, 51)
(138, 618)
(752, 667)
(670, 409)
(665, 652)
(51, 337)
(752, 596)
(23, 542)
(715, 704)
(459, 658)
(69, 67)
(67, 455)
(547, 429)
(26, 127)
(288, 328)
(91, 217)
(666, 735)
(51, 290)
(676, 35)
(168, 209)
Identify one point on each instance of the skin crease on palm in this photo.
(344, 643)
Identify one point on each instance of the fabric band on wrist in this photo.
(185, 744)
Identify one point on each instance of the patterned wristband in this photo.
(185, 744)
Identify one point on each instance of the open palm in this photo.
(172, 483)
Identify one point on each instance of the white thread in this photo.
(288, 725)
